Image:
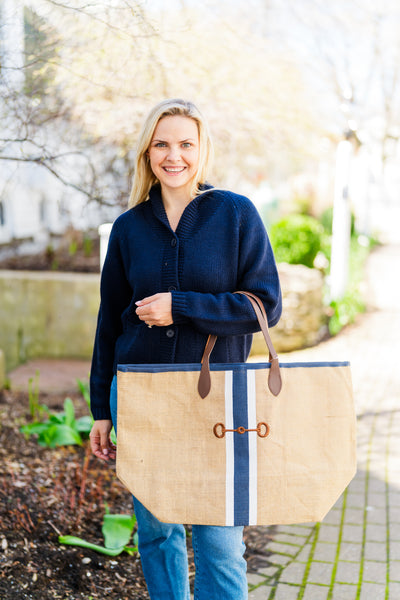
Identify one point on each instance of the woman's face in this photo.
(174, 152)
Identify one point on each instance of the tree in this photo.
(351, 50)
(254, 95)
(44, 122)
(93, 71)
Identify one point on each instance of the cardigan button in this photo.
(170, 333)
(172, 288)
(173, 242)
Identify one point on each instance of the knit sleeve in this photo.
(228, 313)
(115, 296)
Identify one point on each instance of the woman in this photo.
(174, 260)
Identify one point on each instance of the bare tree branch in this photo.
(92, 195)
(136, 9)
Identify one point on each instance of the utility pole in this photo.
(341, 223)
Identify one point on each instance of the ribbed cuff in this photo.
(179, 307)
(101, 412)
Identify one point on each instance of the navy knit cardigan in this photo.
(220, 246)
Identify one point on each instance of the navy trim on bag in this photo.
(164, 368)
(241, 449)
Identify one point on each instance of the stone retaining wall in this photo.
(53, 315)
(303, 321)
(45, 314)
(2, 370)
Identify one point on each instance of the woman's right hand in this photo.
(100, 441)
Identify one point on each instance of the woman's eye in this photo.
(160, 145)
(186, 145)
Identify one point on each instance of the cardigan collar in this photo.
(188, 216)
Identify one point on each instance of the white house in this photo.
(33, 203)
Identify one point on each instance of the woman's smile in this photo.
(174, 170)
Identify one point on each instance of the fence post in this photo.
(341, 224)
(104, 233)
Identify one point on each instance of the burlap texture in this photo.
(170, 459)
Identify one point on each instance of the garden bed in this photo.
(46, 492)
(74, 252)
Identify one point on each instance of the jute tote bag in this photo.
(236, 444)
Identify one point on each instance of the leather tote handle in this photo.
(274, 377)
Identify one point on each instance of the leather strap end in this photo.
(274, 377)
(204, 384)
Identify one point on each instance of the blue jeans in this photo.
(218, 554)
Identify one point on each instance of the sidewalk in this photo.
(54, 376)
(354, 554)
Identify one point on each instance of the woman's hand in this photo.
(100, 441)
(156, 310)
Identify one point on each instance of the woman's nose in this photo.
(173, 153)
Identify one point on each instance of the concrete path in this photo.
(354, 554)
(51, 375)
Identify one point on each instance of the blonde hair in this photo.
(144, 178)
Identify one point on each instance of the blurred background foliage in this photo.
(92, 70)
(280, 83)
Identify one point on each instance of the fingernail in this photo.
(105, 451)
(138, 303)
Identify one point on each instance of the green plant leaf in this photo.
(58, 418)
(84, 389)
(69, 411)
(84, 424)
(33, 428)
(131, 550)
(71, 540)
(117, 530)
(61, 435)
(113, 436)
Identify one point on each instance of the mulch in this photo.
(47, 492)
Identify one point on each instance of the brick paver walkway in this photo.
(354, 554)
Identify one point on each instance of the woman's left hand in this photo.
(155, 310)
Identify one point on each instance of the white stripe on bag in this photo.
(252, 424)
(229, 441)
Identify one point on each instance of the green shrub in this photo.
(297, 239)
(345, 311)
